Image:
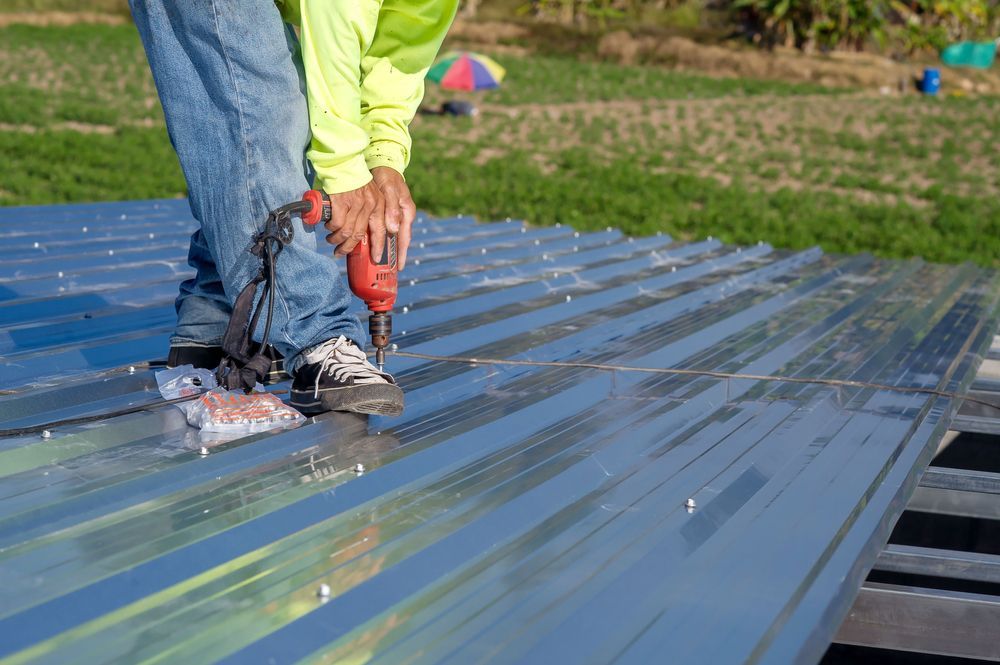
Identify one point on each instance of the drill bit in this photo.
(380, 358)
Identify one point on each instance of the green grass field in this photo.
(589, 144)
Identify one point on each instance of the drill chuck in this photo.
(380, 328)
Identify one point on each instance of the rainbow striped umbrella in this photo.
(461, 70)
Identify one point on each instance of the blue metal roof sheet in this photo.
(512, 514)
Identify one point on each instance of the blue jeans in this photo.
(230, 81)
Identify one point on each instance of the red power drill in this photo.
(374, 282)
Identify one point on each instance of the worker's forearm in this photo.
(334, 36)
(405, 43)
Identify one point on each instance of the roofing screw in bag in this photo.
(235, 412)
(184, 381)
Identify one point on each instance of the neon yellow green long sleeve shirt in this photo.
(365, 63)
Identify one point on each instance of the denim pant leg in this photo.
(202, 306)
(231, 85)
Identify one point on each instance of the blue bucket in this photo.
(931, 82)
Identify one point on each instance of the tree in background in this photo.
(904, 26)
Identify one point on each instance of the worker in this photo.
(257, 116)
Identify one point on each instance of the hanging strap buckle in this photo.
(246, 363)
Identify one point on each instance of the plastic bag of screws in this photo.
(233, 412)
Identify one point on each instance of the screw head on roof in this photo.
(460, 215)
(111, 252)
(537, 241)
(631, 239)
(60, 273)
(359, 468)
(413, 282)
(37, 244)
(416, 262)
(203, 451)
(673, 268)
(394, 347)
(608, 229)
(46, 434)
(85, 229)
(760, 243)
(524, 230)
(507, 220)
(545, 257)
(402, 332)
(405, 309)
(421, 245)
(482, 251)
(323, 591)
(131, 369)
(568, 298)
(555, 275)
(739, 250)
(576, 234)
(575, 248)
(690, 505)
(558, 225)
(710, 238)
(659, 234)
(152, 235)
(123, 217)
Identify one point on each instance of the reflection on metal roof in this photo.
(512, 514)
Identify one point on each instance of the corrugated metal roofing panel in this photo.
(512, 514)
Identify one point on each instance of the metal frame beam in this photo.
(973, 566)
(978, 418)
(946, 623)
(959, 492)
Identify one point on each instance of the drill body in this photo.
(374, 282)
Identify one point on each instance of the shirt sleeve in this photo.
(334, 35)
(406, 40)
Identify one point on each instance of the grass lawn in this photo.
(589, 144)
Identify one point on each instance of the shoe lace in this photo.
(342, 359)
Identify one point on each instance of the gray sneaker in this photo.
(337, 376)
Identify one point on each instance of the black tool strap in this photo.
(246, 362)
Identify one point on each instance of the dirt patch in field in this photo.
(79, 127)
(46, 19)
(848, 70)
(817, 143)
(486, 32)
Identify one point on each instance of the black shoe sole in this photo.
(377, 399)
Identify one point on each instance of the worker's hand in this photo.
(400, 211)
(352, 213)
